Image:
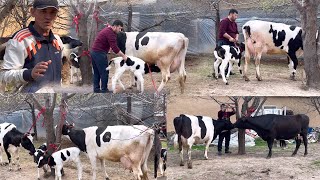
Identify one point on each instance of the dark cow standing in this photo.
(263, 37)
(271, 126)
(197, 130)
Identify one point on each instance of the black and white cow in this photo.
(70, 59)
(165, 49)
(271, 126)
(163, 161)
(263, 37)
(11, 140)
(227, 55)
(130, 145)
(58, 159)
(134, 65)
(197, 130)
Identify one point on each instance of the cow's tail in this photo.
(157, 151)
(177, 122)
(182, 57)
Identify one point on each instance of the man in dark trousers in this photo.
(224, 115)
(228, 29)
(106, 38)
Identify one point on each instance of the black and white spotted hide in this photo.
(225, 56)
(135, 66)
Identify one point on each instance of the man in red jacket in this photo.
(106, 38)
(224, 115)
(228, 30)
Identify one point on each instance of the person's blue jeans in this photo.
(99, 65)
(225, 42)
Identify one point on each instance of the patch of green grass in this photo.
(199, 147)
(316, 163)
(260, 142)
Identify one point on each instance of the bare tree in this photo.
(7, 7)
(315, 102)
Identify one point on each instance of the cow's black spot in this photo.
(234, 53)
(121, 41)
(68, 153)
(63, 157)
(138, 67)
(221, 52)
(99, 131)
(278, 36)
(121, 63)
(78, 137)
(7, 126)
(202, 127)
(292, 28)
(138, 37)
(145, 41)
(182, 125)
(135, 78)
(281, 47)
(296, 43)
(0, 144)
(129, 62)
(106, 137)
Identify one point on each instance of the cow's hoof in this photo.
(107, 178)
(268, 157)
(293, 155)
(189, 165)
(259, 78)
(305, 155)
(181, 164)
(293, 78)
(227, 83)
(246, 78)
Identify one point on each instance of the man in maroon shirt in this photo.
(106, 38)
(224, 115)
(228, 30)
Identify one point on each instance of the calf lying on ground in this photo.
(136, 66)
(225, 55)
(57, 160)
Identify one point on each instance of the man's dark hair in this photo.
(117, 23)
(222, 105)
(232, 11)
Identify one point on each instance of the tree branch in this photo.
(36, 102)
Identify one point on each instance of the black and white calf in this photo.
(130, 145)
(70, 59)
(58, 159)
(197, 130)
(225, 55)
(163, 161)
(136, 66)
(12, 139)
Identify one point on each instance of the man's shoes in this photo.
(219, 153)
(228, 152)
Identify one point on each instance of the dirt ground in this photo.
(275, 75)
(253, 165)
(28, 170)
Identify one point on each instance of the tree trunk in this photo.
(217, 23)
(311, 59)
(9, 5)
(129, 27)
(49, 121)
(242, 132)
(63, 105)
(129, 108)
(33, 113)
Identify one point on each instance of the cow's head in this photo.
(73, 43)
(66, 129)
(151, 68)
(121, 41)
(26, 142)
(40, 152)
(222, 125)
(41, 159)
(241, 46)
(242, 123)
(220, 51)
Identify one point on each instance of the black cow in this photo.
(271, 126)
(195, 130)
